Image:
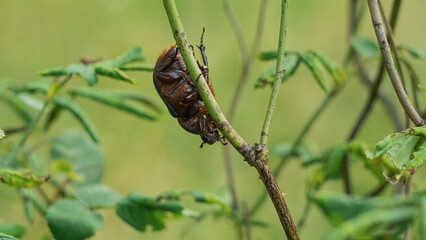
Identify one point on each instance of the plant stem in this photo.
(257, 156)
(246, 216)
(367, 107)
(13, 130)
(247, 61)
(54, 89)
(389, 63)
(279, 72)
(27, 133)
(296, 144)
(237, 29)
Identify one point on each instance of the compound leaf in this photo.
(71, 220)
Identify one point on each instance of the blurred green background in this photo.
(152, 157)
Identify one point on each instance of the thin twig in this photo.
(279, 72)
(382, 95)
(257, 156)
(247, 61)
(296, 144)
(397, 58)
(376, 191)
(247, 224)
(55, 87)
(237, 29)
(389, 63)
(367, 107)
(13, 130)
(43, 195)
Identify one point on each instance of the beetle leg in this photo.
(170, 62)
(182, 80)
(205, 68)
(203, 49)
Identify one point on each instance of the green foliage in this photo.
(71, 220)
(97, 195)
(403, 150)
(13, 100)
(79, 114)
(365, 46)
(199, 196)
(357, 216)
(7, 237)
(89, 69)
(82, 153)
(22, 178)
(413, 51)
(140, 210)
(117, 100)
(63, 166)
(13, 229)
(316, 62)
(2, 134)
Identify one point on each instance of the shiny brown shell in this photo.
(178, 92)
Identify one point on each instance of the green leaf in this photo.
(113, 72)
(71, 220)
(398, 149)
(268, 55)
(52, 116)
(302, 151)
(36, 201)
(22, 178)
(17, 105)
(13, 229)
(365, 46)
(368, 221)
(6, 237)
(414, 52)
(113, 101)
(339, 208)
(85, 71)
(140, 210)
(199, 196)
(315, 67)
(65, 167)
(138, 67)
(31, 101)
(332, 67)
(134, 96)
(267, 77)
(79, 114)
(2, 135)
(421, 219)
(82, 152)
(108, 68)
(130, 56)
(97, 195)
(29, 210)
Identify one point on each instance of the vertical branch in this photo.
(258, 203)
(247, 224)
(237, 29)
(247, 61)
(279, 72)
(389, 63)
(374, 92)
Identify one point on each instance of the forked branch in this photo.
(256, 156)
